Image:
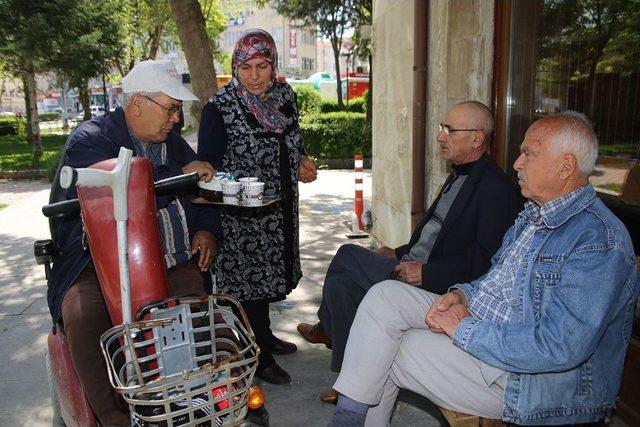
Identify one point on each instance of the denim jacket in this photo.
(572, 310)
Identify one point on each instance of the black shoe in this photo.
(282, 347)
(274, 374)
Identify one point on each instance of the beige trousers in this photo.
(391, 347)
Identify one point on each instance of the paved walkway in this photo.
(25, 322)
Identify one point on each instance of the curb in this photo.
(24, 174)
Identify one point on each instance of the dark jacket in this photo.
(93, 141)
(485, 207)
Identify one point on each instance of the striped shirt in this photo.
(172, 219)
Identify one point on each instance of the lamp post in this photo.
(348, 56)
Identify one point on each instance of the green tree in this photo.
(26, 29)
(88, 45)
(331, 18)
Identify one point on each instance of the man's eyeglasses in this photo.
(171, 110)
(447, 129)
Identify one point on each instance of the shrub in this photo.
(355, 105)
(308, 100)
(49, 116)
(329, 106)
(336, 135)
(12, 126)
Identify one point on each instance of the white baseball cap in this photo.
(157, 76)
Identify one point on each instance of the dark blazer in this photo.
(485, 207)
(91, 142)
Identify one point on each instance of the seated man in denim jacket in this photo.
(540, 338)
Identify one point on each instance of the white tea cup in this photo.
(252, 193)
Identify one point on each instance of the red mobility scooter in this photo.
(183, 361)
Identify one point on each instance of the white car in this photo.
(96, 110)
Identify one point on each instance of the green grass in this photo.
(613, 186)
(17, 154)
(3, 205)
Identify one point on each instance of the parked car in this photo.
(96, 110)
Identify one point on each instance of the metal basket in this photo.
(191, 363)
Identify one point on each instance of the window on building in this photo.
(582, 56)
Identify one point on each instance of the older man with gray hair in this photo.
(153, 95)
(540, 338)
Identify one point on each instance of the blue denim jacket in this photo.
(572, 311)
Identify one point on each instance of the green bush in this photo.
(356, 105)
(336, 135)
(12, 126)
(308, 100)
(49, 116)
(329, 106)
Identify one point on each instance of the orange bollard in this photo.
(358, 206)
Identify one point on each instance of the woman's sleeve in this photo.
(212, 136)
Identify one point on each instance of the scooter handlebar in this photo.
(171, 185)
(162, 187)
(61, 208)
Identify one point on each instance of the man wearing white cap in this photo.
(153, 95)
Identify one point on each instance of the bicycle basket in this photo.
(191, 363)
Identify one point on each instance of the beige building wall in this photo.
(283, 31)
(459, 66)
(392, 41)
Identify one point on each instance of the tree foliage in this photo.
(148, 25)
(331, 18)
(88, 45)
(26, 30)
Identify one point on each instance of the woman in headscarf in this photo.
(250, 128)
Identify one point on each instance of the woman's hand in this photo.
(308, 170)
(206, 172)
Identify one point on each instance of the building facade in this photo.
(296, 46)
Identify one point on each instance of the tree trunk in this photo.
(83, 90)
(336, 56)
(197, 50)
(33, 123)
(155, 41)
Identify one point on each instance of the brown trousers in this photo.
(86, 318)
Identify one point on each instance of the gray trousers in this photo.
(352, 272)
(391, 347)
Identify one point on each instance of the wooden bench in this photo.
(458, 419)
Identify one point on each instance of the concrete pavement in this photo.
(25, 322)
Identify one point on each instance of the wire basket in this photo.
(190, 363)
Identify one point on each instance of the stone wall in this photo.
(459, 68)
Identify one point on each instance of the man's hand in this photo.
(308, 170)
(204, 242)
(386, 251)
(410, 272)
(206, 172)
(447, 321)
(454, 303)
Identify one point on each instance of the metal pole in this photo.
(104, 92)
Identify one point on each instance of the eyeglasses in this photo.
(447, 129)
(171, 110)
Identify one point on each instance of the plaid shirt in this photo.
(493, 299)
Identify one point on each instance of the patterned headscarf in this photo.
(259, 44)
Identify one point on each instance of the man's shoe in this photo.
(282, 347)
(329, 396)
(313, 334)
(274, 374)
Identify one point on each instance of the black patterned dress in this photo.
(258, 258)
